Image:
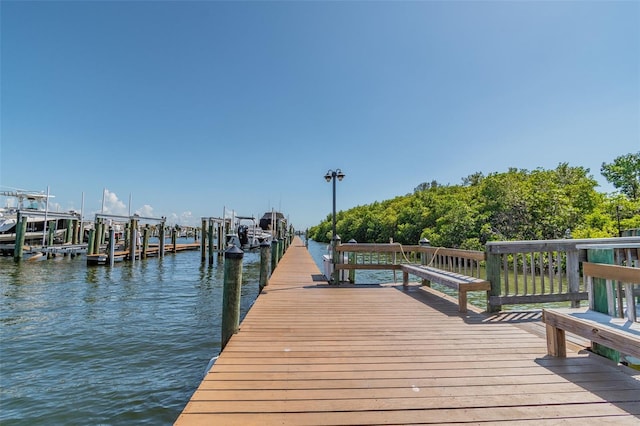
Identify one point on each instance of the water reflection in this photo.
(101, 345)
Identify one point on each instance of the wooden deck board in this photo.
(309, 353)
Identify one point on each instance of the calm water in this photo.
(94, 345)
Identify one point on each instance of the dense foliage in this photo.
(515, 205)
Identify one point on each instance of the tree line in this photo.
(515, 205)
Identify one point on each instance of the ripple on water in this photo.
(95, 345)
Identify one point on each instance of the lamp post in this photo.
(331, 177)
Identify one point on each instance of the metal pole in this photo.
(334, 205)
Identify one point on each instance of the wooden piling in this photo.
(211, 245)
(265, 261)
(174, 239)
(51, 230)
(112, 246)
(203, 241)
(67, 231)
(145, 241)
(96, 239)
(21, 232)
(222, 241)
(91, 242)
(162, 238)
(231, 293)
(133, 241)
(274, 254)
(75, 239)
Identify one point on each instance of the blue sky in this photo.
(190, 107)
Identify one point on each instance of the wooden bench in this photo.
(615, 333)
(459, 282)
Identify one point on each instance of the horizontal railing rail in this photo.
(520, 272)
(392, 255)
(622, 288)
(544, 271)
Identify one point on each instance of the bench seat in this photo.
(615, 333)
(459, 282)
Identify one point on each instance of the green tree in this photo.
(624, 174)
(514, 205)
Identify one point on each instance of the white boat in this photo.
(247, 234)
(33, 206)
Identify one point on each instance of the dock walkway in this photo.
(310, 353)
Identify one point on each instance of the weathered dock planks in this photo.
(310, 353)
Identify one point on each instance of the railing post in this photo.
(336, 259)
(423, 258)
(573, 274)
(265, 256)
(600, 297)
(493, 276)
(231, 293)
(352, 260)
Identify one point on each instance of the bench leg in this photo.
(556, 343)
(462, 301)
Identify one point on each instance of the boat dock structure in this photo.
(313, 353)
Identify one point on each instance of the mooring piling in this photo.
(265, 260)
(231, 293)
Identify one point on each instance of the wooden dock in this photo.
(310, 353)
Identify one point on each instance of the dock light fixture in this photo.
(329, 177)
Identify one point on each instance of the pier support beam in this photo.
(231, 293)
